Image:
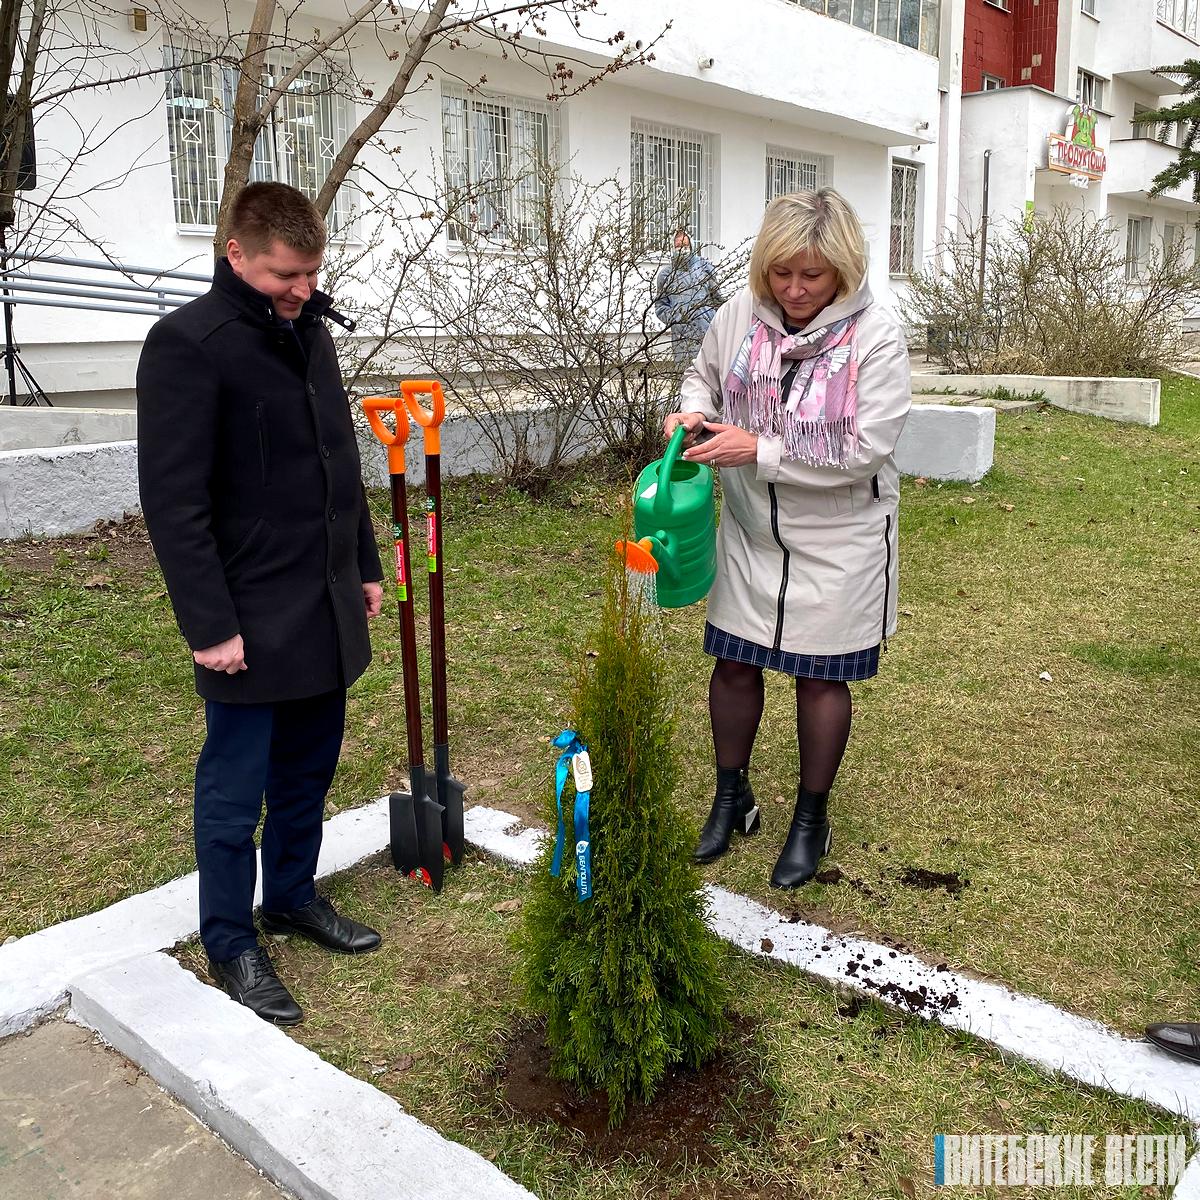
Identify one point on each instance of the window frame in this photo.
(219, 85)
(910, 202)
(1168, 12)
(1098, 83)
(993, 83)
(702, 230)
(517, 109)
(1088, 8)
(1168, 242)
(890, 19)
(1135, 263)
(798, 161)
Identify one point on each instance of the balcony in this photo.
(1136, 41)
(1132, 166)
(786, 62)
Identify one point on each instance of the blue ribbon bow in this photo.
(570, 745)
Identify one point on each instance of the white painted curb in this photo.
(36, 971)
(311, 1127)
(1067, 1044)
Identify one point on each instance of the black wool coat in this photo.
(252, 492)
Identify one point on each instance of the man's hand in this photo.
(228, 656)
(730, 446)
(373, 596)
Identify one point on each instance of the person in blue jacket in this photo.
(686, 297)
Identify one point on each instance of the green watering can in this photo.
(674, 527)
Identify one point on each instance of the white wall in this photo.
(825, 87)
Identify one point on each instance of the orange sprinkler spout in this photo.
(638, 556)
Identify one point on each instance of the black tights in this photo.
(823, 709)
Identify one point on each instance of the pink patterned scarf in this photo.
(818, 419)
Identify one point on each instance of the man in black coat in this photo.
(252, 492)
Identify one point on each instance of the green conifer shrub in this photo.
(630, 979)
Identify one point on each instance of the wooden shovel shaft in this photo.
(408, 624)
(437, 601)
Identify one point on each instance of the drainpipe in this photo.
(983, 226)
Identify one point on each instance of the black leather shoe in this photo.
(1181, 1038)
(250, 979)
(809, 838)
(319, 922)
(733, 808)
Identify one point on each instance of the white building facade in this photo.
(1019, 96)
(733, 110)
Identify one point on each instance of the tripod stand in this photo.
(14, 364)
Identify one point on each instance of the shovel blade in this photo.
(402, 827)
(450, 795)
(432, 863)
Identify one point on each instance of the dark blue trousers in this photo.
(286, 752)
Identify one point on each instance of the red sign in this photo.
(1072, 159)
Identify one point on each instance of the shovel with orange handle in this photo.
(449, 789)
(415, 816)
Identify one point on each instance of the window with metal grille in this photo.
(499, 154)
(1179, 14)
(903, 225)
(298, 145)
(671, 175)
(915, 23)
(1137, 246)
(1089, 89)
(795, 171)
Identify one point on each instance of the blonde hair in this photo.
(822, 223)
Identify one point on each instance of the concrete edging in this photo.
(46, 492)
(26, 427)
(66, 489)
(943, 441)
(1133, 400)
(308, 1125)
(36, 971)
(88, 955)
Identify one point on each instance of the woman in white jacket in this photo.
(799, 394)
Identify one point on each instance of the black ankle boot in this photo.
(733, 807)
(809, 838)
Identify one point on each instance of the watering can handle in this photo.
(662, 495)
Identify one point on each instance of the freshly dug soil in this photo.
(676, 1126)
(919, 877)
(126, 548)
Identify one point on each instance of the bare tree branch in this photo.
(371, 124)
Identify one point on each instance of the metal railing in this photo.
(25, 280)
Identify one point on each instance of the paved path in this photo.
(80, 1122)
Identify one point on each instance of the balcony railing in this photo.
(1180, 15)
(914, 23)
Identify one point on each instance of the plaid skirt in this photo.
(859, 664)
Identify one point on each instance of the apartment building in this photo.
(734, 110)
(1034, 69)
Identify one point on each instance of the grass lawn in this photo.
(1071, 805)
(853, 1092)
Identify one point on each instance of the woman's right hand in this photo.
(692, 422)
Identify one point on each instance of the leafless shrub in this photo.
(1059, 298)
(540, 320)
